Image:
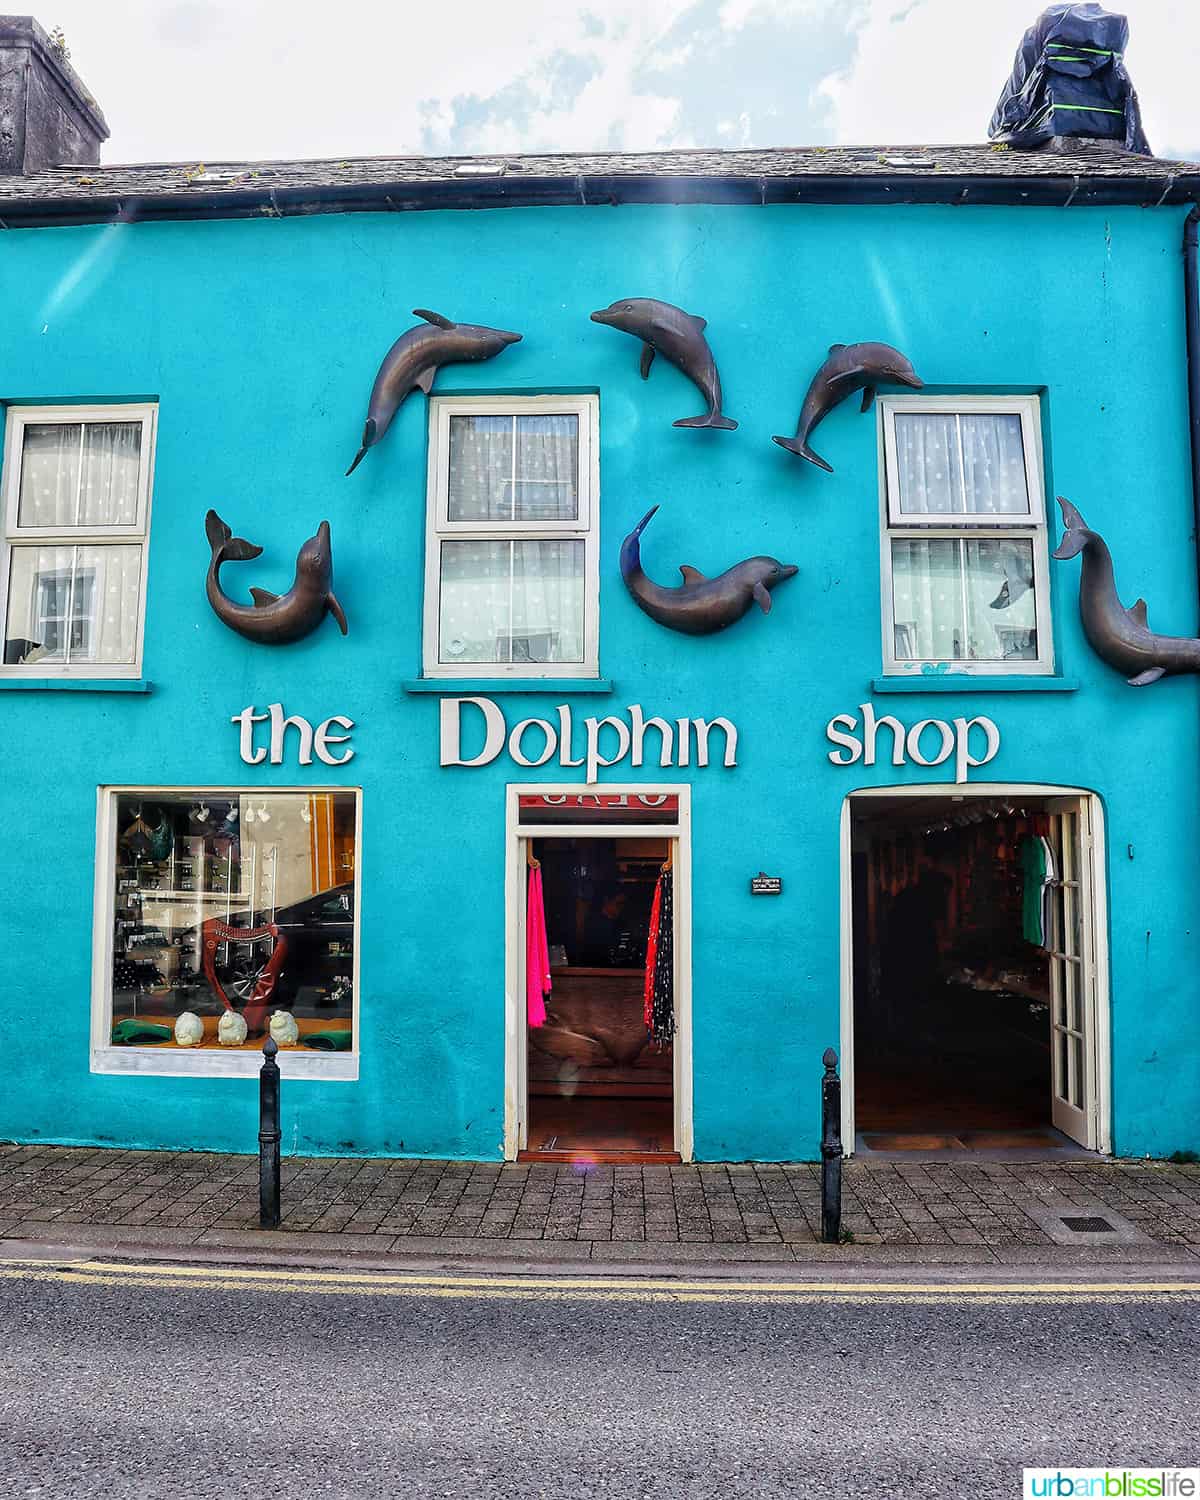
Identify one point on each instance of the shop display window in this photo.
(233, 915)
(511, 577)
(964, 555)
(77, 504)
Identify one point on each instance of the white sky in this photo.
(202, 80)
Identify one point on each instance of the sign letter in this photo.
(451, 726)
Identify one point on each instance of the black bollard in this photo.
(831, 1150)
(269, 1135)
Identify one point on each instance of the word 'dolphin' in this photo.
(954, 740)
(534, 742)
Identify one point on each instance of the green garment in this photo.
(1033, 867)
(328, 1041)
(131, 1032)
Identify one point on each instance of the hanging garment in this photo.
(1033, 871)
(662, 1009)
(1051, 875)
(651, 952)
(537, 952)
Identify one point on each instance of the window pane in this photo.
(547, 487)
(481, 461)
(993, 455)
(80, 474)
(506, 468)
(511, 601)
(927, 457)
(233, 907)
(73, 605)
(964, 599)
(927, 600)
(969, 464)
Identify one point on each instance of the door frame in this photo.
(516, 1039)
(1097, 989)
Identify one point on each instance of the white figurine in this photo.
(231, 1029)
(189, 1029)
(284, 1028)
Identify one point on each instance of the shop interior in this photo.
(234, 915)
(953, 918)
(600, 1063)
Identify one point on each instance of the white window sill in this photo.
(209, 1062)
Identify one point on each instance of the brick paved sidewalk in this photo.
(738, 1211)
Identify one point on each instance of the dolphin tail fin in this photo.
(709, 419)
(368, 440)
(225, 546)
(802, 450)
(1075, 537)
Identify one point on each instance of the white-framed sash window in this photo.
(77, 483)
(512, 537)
(964, 556)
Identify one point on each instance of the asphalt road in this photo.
(128, 1382)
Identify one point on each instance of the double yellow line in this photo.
(616, 1288)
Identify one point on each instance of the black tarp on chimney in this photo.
(1069, 80)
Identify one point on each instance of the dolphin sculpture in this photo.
(700, 606)
(415, 358)
(678, 336)
(1117, 635)
(274, 621)
(849, 368)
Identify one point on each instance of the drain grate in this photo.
(1088, 1225)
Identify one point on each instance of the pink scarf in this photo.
(537, 953)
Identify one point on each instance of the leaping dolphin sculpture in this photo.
(1117, 635)
(849, 368)
(700, 606)
(415, 358)
(274, 621)
(678, 336)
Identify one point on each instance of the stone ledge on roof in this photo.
(1084, 173)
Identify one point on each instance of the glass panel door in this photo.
(1071, 974)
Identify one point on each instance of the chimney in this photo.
(47, 116)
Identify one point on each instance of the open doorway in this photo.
(600, 1070)
(974, 982)
(598, 974)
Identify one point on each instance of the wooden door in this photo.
(1070, 941)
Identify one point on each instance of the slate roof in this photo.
(1087, 173)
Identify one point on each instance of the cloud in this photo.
(922, 72)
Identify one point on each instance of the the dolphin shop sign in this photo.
(944, 739)
(605, 741)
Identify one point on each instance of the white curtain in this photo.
(74, 604)
(953, 465)
(507, 468)
(964, 599)
(507, 600)
(80, 474)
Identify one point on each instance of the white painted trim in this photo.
(203, 1062)
(138, 534)
(1031, 527)
(439, 528)
(1100, 1001)
(516, 1086)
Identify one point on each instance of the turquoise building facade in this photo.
(254, 337)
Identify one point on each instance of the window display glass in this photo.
(234, 915)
